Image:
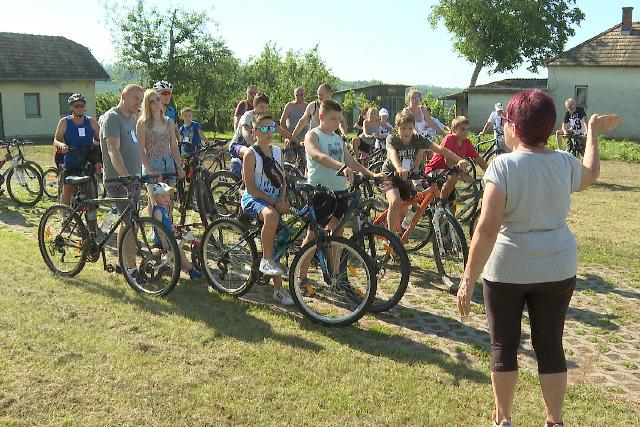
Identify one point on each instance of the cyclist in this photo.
(496, 121)
(243, 137)
(364, 142)
(385, 128)
(245, 105)
(361, 118)
(292, 114)
(327, 153)
(459, 143)
(405, 153)
(311, 117)
(264, 196)
(165, 90)
(424, 123)
(191, 134)
(573, 124)
(75, 130)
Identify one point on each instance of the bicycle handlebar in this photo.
(143, 179)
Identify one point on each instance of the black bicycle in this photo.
(576, 144)
(194, 192)
(148, 254)
(23, 178)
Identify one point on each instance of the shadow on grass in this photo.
(13, 214)
(601, 286)
(229, 318)
(613, 187)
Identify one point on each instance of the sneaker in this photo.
(505, 423)
(282, 297)
(134, 273)
(194, 273)
(270, 268)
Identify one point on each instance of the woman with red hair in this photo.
(525, 250)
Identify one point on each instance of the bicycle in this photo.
(195, 184)
(343, 274)
(66, 243)
(438, 226)
(23, 179)
(219, 159)
(576, 144)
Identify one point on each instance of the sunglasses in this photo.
(78, 105)
(165, 92)
(265, 129)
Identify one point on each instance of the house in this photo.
(392, 97)
(37, 75)
(478, 102)
(602, 74)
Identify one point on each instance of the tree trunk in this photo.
(476, 71)
(171, 60)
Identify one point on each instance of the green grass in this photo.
(89, 351)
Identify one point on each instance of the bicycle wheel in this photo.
(225, 191)
(390, 262)
(204, 200)
(35, 165)
(230, 260)
(451, 258)
(63, 240)
(421, 233)
(149, 257)
(50, 183)
(24, 184)
(340, 286)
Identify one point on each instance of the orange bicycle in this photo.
(428, 221)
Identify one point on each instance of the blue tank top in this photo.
(166, 221)
(171, 113)
(77, 137)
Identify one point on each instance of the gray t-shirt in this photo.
(245, 120)
(406, 153)
(534, 244)
(115, 124)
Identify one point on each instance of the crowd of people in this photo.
(522, 246)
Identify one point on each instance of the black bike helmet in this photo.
(76, 97)
(324, 205)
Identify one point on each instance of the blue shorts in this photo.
(164, 165)
(252, 207)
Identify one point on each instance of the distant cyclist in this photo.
(311, 117)
(496, 120)
(75, 131)
(425, 125)
(573, 124)
(291, 115)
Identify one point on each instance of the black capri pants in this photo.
(547, 304)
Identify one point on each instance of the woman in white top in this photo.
(526, 249)
(425, 125)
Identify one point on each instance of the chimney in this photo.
(627, 18)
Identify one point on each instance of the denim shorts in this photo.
(252, 207)
(163, 165)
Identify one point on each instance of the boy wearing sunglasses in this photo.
(264, 195)
(243, 138)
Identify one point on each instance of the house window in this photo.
(32, 105)
(581, 96)
(64, 106)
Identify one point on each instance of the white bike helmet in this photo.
(162, 85)
(76, 97)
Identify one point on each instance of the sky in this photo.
(359, 40)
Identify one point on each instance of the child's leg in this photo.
(270, 219)
(186, 263)
(395, 204)
(306, 262)
(448, 187)
(150, 204)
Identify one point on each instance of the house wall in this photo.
(15, 121)
(482, 104)
(610, 90)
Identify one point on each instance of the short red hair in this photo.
(534, 115)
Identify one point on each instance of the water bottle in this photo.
(109, 220)
(406, 222)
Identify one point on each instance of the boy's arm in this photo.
(304, 120)
(354, 164)
(202, 136)
(449, 156)
(312, 147)
(246, 135)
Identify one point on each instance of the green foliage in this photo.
(278, 74)
(349, 102)
(174, 45)
(502, 34)
(106, 100)
(364, 102)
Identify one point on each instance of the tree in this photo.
(502, 34)
(105, 100)
(175, 45)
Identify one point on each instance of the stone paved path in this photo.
(602, 333)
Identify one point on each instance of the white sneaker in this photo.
(282, 297)
(269, 267)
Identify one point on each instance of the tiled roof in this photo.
(34, 57)
(506, 85)
(608, 49)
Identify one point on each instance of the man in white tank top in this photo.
(311, 116)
